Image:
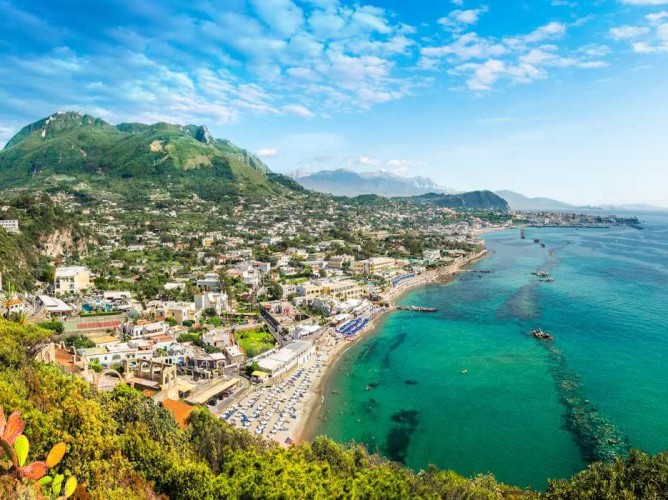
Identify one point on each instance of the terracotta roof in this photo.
(179, 410)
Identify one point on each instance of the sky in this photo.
(559, 98)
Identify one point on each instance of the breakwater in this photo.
(597, 437)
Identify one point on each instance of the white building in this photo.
(72, 279)
(217, 300)
(53, 305)
(285, 359)
(210, 282)
(10, 225)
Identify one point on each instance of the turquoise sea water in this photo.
(526, 410)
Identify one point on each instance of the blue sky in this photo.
(560, 98)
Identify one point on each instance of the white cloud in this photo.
(628, 32)
(299, 110)
(645, 2)
(283, 16)
(548, 31)
(368, 160)
(656, 17)
(651, 38)
(465, 47)
(459, 19)
(519, 59)
(267, 153)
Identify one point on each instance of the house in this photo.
(10, 225)
(234, 355)
(16, 306)
(431, 256)
(217, 338)
(263, 267)
(337, 261)
(215, 300)
(72, 279)
(143, 328)
(344, 290)
(309, 290)
(210, 282)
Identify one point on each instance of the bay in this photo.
(523, 409)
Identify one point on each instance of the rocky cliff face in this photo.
(61, 242)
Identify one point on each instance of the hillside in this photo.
(518, 201)
(344, 182)
(122, 445)
(46, 232)
(473, 200)
(69, 148)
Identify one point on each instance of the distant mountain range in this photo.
(130, 158)
(343, 182)
(518, 201)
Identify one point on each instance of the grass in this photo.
(255, 342)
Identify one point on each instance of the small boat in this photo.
(541, 335)
(464, 371)
(549, 280)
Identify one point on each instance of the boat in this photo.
(542, 274)
(549, 280)
(541, 335)
(464, 371)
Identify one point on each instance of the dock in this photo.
(417, 309)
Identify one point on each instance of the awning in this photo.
(211, 390)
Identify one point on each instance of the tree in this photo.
(6, 300)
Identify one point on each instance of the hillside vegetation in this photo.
(41, 221)
(131, 158)
(121, 445)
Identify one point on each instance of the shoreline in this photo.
(307, 424)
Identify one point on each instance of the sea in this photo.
(468, 389)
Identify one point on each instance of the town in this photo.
(242, 316)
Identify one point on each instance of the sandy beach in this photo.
(287, 410)
(334, 346)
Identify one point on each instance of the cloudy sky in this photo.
(561, 98)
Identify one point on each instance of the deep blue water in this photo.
(525, 410)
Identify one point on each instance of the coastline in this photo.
(307, 423)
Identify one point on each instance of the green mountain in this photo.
(79, 147)
(485, 200)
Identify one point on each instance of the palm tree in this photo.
(6, 300)
(20, 317)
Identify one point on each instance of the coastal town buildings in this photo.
(71, 279)
(9, 225)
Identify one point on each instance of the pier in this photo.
(417, 309)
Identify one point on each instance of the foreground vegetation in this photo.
(123, 445)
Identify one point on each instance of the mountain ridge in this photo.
(90, 149)
(346, 182)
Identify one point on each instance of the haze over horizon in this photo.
(566, 100)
